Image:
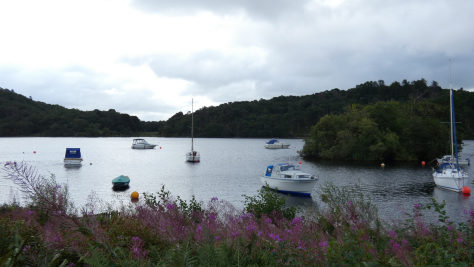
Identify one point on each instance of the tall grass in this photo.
(163, 230)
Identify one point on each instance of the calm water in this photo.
(229, 169)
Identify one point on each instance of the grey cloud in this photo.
(80, 88)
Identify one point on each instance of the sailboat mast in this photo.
(451, 121)
(192, 125)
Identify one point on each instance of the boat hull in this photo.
(72, 162)
(193, 158)
(277, 146)
(302, 187)
(453, 181)
(143, 146)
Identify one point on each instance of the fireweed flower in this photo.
(296, 220)
(324, 244)
(460, 240)
(392, 234)
(170, 206)
(274, 237)
(416, 206)
(214, 199)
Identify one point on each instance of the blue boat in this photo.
(73, 157)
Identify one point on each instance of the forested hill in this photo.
(283, 116)
(21, 116)
(293, 116)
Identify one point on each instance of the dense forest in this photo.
(384, 131)
(283, 116)
(21, 116)
(293, 116)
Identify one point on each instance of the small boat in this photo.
(275, 144)
(73, 157)
(192, 156)
(120, 182)
(288, 178)
(449, 175)
(449, 159)
(140, 143)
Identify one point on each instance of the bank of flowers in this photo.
(164, 230)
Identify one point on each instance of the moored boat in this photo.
(140, 143)
(121, 182)
(449, 175)
(193, 155)
(275, 144)
(288, 178)
(73, 157)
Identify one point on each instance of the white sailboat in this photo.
(192, 156)
(449, 175)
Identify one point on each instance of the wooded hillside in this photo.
(282, 116)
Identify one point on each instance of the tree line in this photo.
(282, 116)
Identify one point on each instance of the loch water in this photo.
(229, 170)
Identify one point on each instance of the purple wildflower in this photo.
(214, 199)
(296, 220)
(416, 206)
(170, 206)
(275, 237)
(460, 240)
(324, 244)
(392, 234)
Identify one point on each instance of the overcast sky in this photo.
(150, 57)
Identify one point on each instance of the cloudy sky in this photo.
(149, 58)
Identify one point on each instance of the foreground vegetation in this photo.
(167, 231)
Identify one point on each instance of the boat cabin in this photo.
(73, 153)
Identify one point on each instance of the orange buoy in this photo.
(382, 165)
(466, 190)
(423, 163)
(134, 195)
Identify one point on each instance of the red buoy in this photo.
(299, 162)
(423, 163)
(466, 190)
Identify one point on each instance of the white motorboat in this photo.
(449, 159)
(192, 156)
(140, 143)
(275, 144)
(449, 175)
(288, 178)
(73, 157)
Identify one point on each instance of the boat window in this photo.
(287, 168)
(287, 176)
(303, 176)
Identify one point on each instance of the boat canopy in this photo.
(73, 153)
(446, 165)
(286, 167)
(272, 141)
(121, 179)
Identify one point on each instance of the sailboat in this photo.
(449, 175)
(192, 156)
